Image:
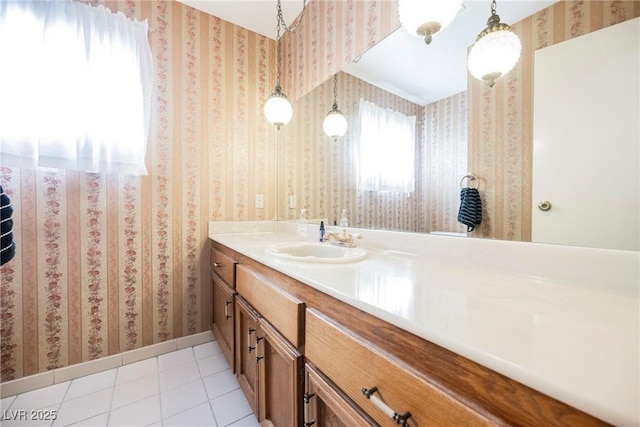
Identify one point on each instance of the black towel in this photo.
(470, 213)
(7, 245)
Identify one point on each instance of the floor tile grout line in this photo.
(161, 421)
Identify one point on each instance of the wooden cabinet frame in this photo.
(222, 325)
(279, 378)
(246, 364)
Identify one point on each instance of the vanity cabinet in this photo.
(386, 389)
(280, 320)
(327, 406)
(223, 294)
(246, 362)
(279, 378)
(269, 329)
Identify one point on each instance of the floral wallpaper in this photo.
(501, 118)
(110, 263)
(320, 171)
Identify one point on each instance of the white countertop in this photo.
(562, 320)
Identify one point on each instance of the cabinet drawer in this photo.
(282, 310)
(223, 266)
(354, 364)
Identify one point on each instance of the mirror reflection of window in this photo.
(384, 149)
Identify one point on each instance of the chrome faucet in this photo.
(345, 239)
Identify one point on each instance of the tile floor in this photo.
(189, 387)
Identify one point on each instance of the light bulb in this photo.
(494, 55)
(278, 109)
(423, 18)
(335, 124)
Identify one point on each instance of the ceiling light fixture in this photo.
(335, 124)
(496, 50)
(424, 18)
(278, 109)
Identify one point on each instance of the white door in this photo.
(586, 140)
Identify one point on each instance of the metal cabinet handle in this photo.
(306, 397)
(249, 332)
(258, 339)
(217, 264)
(399, 419)
(226, 310)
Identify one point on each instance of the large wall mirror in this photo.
(320, 174)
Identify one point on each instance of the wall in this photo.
(332, 33)
(501, 118)
(320, 172)
(109, 263)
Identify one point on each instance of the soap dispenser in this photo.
(321, 231)
(302, 225)
(344, 222)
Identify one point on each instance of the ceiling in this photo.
(401, 63)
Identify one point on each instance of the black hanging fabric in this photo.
(7, 245)
(470, 213)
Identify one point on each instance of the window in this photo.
(385, 149)
(75, 87)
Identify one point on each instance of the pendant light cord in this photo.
(280, 23)
(335, 91)
(278, 20)
(295, 26)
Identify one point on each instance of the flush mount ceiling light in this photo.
(424, 18)
(278, 109)
(335, 124)
(496, 50)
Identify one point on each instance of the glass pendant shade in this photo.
(278, 109)
(423, 18)
(495, 52)
(335, 124)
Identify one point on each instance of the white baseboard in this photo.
(67, 373)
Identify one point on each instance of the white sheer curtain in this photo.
(384, 142)
(75, 87)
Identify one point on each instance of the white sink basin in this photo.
(316, 252)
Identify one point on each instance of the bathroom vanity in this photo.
(428, 330)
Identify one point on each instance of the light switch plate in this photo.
(259, 201)
(293, 202)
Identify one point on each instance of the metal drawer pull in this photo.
(226, 310)
(305, 398)
(216, 264)
(249, 332)
(399, 419)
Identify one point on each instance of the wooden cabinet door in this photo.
(326, 406)
(280, 377)
(246, 363)
(223, 326)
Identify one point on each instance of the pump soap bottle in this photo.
(302, 225)
(344, 222)
(321, 231)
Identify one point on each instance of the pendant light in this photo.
(335, 124)
(278, 109)
(424, 18)
(496, 50)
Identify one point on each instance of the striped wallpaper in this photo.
(320, 172)
(111, 263)
(501, 118)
